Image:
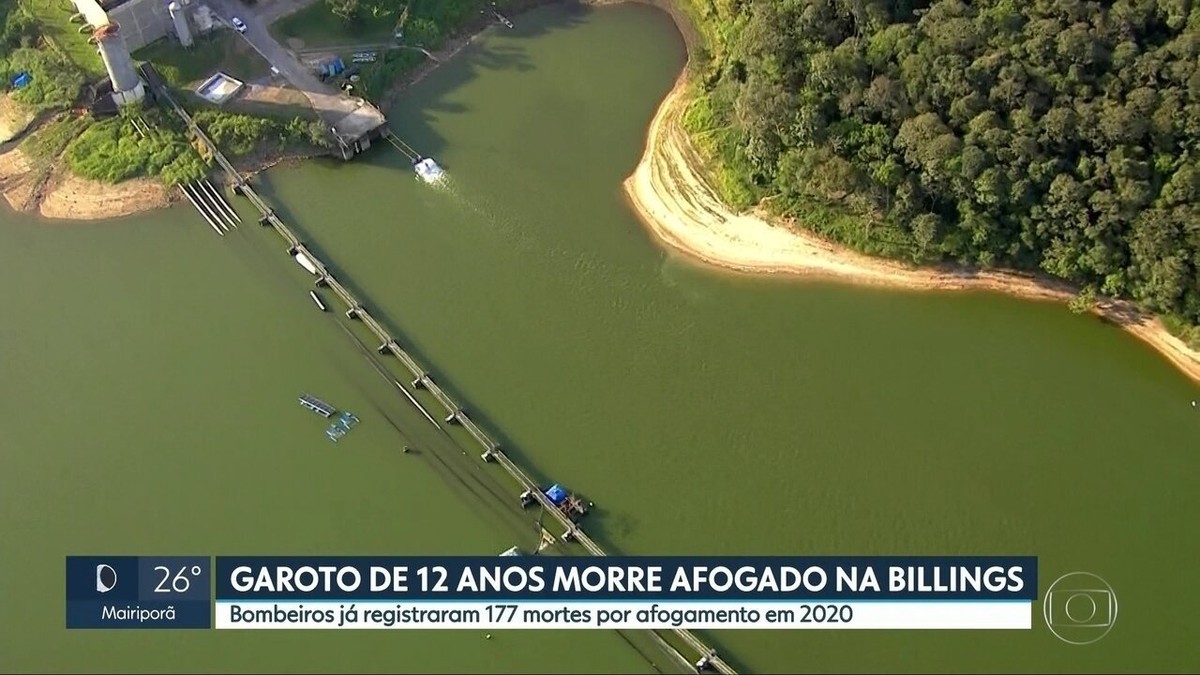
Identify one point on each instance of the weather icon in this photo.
(106, 578)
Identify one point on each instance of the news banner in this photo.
(336, 593)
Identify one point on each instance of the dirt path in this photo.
(684, 212)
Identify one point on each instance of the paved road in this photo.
(334, 107)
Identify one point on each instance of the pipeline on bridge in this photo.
(422, 378)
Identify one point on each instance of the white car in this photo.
(238, 24)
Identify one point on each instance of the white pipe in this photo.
(202, 213)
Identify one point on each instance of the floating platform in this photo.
(317, 299)
(317, 405)
(428, 170)
(345, 422)
(514, 551)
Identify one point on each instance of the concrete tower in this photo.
(179, 18)
(127, 86)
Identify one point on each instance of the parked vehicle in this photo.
(238, 24)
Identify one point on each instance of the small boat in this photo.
(317, 299)
(428, 170)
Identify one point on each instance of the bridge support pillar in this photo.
(386, 347)
(420, 381)
(321, 282)
(452, 418)
(352, 313)
(489, 453)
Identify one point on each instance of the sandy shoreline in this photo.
(669, 193)
(62, 195)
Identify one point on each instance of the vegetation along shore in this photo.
(1047, 150)
(59, 161)
(803, 138)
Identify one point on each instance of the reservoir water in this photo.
(150, 371)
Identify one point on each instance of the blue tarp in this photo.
(334, 66)
(21, 80)
(557, 494)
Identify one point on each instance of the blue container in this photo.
(556, 494)
(21, 80)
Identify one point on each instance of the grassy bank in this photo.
(53, 21)
(317, 25)
(113, 150)
(221, 51)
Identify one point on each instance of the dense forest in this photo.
(1058, 135)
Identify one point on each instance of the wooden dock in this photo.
(422, 379)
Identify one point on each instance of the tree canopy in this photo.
(1059, 135)
(430, 17)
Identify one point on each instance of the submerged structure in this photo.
(345, 422)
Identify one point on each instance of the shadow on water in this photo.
(476, 59)
(467, 481)
(602, 525)
(487, 493)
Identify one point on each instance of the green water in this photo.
(150, 370)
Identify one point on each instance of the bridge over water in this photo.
(455, 414)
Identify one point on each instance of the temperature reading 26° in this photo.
(180, 582)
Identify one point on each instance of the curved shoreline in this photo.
(671, 196)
